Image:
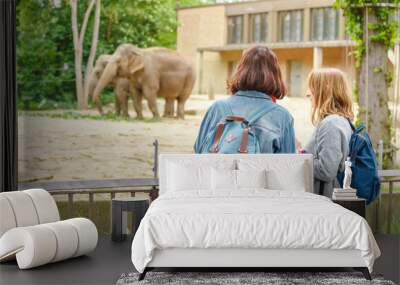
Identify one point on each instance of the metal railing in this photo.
(381, 151)
(92, 187)
(390, 177)
(91, 192)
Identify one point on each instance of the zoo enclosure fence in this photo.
(382, 207)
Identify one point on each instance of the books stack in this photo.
(344, 194)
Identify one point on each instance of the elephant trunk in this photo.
(92, 85)
(108, 75)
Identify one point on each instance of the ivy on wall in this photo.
(386, 28)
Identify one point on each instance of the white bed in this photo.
(201, 219)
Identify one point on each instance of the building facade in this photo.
(304, 34)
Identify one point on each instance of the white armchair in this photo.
(31, 230)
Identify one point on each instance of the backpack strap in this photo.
(355, 137)
(218, 134)
(354, 129)
(261, 112)
(359, 129)
(243, 144)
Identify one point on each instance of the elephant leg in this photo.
(137, 105)
(124, 106)
(185, 94)
(98, 105)
(117, 105)
(169, 107)
(181, 107)
(122, 98)
(151, 96)
(152, 103)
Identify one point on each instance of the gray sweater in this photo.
(330, 146)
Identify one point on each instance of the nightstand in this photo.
(138, 207)
(356, 205)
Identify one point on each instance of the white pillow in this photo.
(223, 179)
(188, 177)
(290, 180)
(251, 178)
(282, 174)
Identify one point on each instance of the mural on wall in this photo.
(97, 58)
(99, 81)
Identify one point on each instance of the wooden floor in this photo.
(110, 260)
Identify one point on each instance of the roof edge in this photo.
(216, 4)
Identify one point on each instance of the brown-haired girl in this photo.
(254, 86)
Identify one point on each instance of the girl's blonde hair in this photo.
(331, 94)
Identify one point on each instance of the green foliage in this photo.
(384, 30)
(145, 23)
(45, 53)
(44, 73)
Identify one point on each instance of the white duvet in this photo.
(250, 219)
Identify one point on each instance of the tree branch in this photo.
(93, 48)
(85, 21)
(74, 23)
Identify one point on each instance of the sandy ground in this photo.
(68, 149)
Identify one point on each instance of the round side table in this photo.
(138, 207)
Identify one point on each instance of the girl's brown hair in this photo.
(331, 94)
(258, 70)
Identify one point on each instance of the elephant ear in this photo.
(104, 63)
(103, 60)
(135, 61)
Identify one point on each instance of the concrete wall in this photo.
(203, 27)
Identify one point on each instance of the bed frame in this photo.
(245, 258)
(242, 259)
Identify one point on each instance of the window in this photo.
(259, 28)
(325, 24)
(291, 26)
(235, 30)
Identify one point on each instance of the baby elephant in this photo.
(122, 87)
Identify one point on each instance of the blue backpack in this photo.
(363, 165)
(234, 134)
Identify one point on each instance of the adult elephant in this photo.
(153, 72)
(122, 87)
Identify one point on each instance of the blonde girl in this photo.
(331, 111)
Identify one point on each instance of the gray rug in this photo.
(229, 278)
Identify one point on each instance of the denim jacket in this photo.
(274, 130)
